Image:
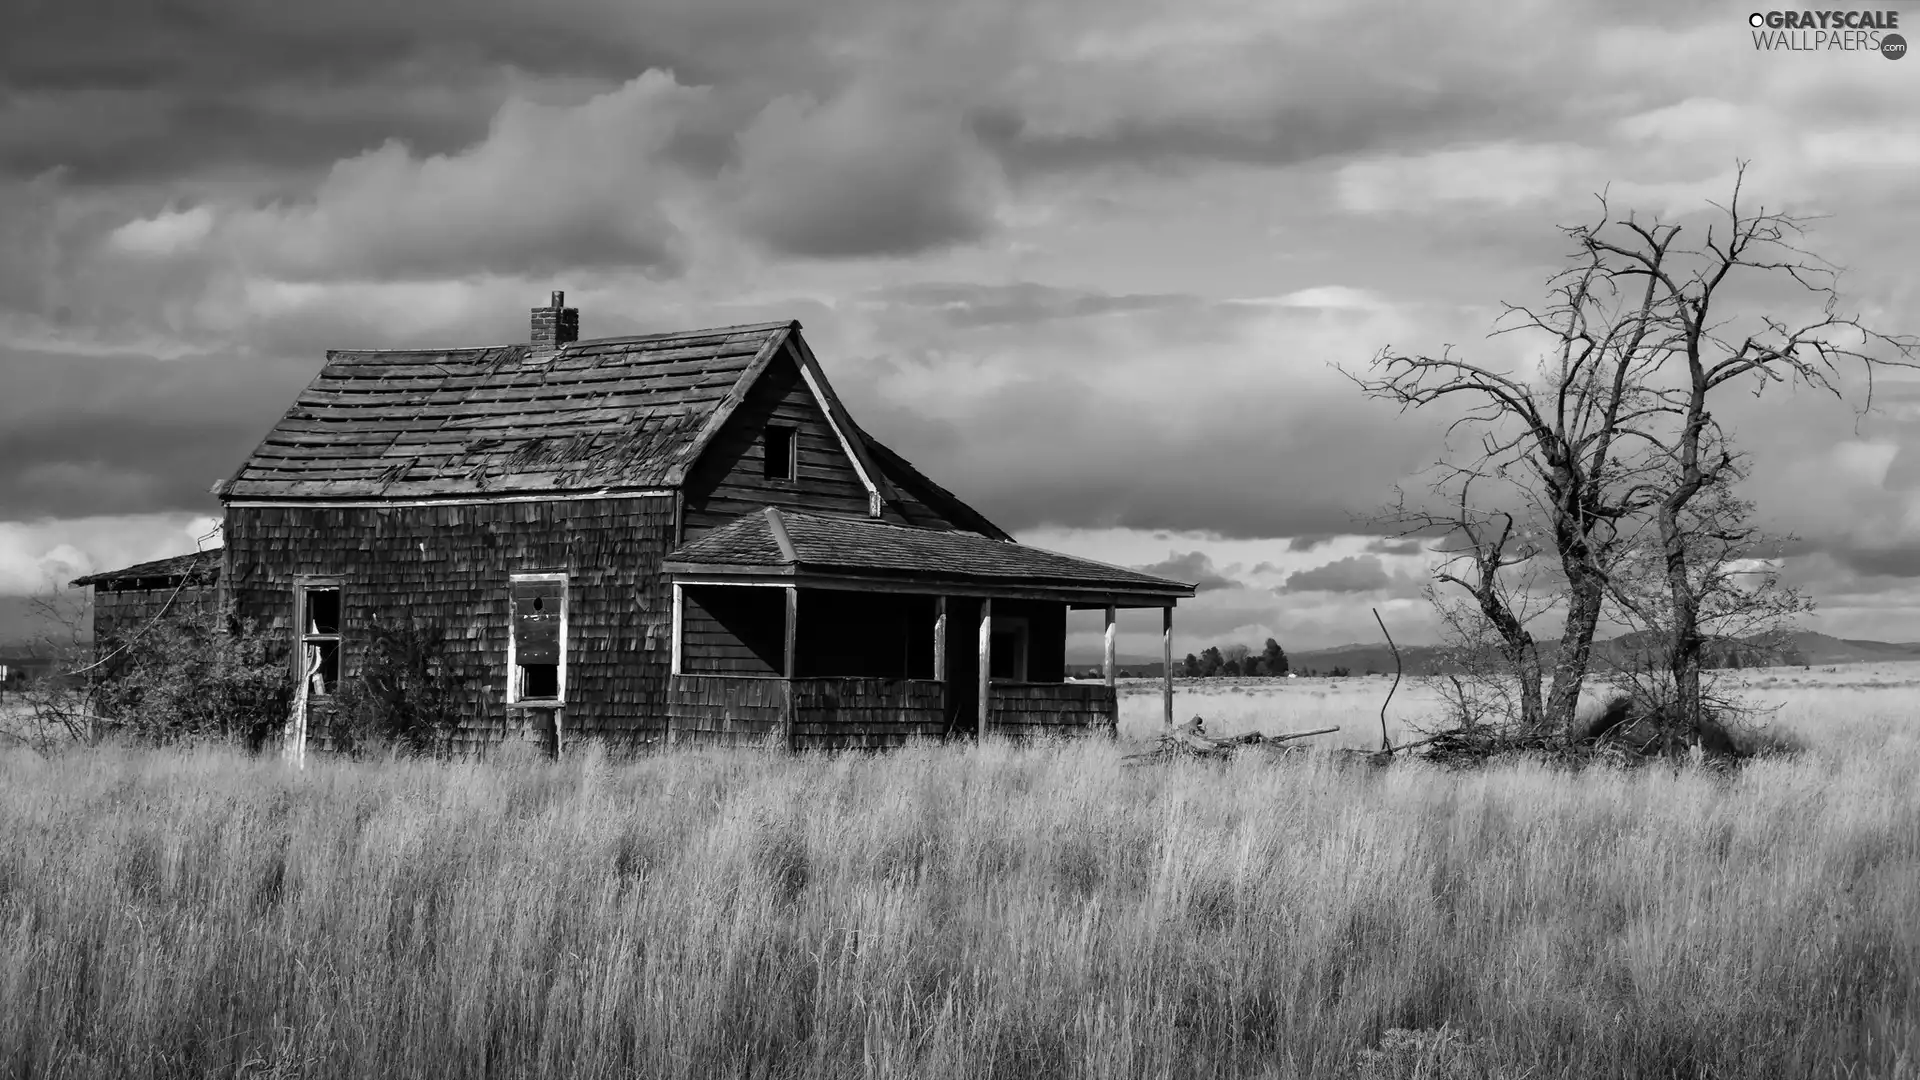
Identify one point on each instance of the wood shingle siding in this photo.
(449, 566)
(866, 713)
(119, 613)
(710, 710)
(1044, 709)
(826, 713)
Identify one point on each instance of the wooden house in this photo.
(678, 538)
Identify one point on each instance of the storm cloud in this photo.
(1092, 266)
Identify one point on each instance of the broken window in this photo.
(537, 647)
(779, 453)
(317, 612)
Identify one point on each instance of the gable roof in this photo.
(938, 499)
(202, 567)
(613, 413)
(792, 542)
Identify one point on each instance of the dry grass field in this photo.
(974, 912)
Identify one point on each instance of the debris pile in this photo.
(1190, 740)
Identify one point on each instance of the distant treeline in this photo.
(1235, 660)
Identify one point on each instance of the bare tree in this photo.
(1560, 429)
(1736, 606)
(1611, 431)
(1701, 343)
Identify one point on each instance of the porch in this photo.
(807, 631)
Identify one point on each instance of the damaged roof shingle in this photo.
(612, 413)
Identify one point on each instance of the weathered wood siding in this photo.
(718, 710)
(733, 631)
(1040, 709)
(730, 478)
(121, 613)
(826, 714)
(866, 713)
(449, 566)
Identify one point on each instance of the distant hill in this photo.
(1804, 647)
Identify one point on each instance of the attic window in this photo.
(537, 642)
(779, 453)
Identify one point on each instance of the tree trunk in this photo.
(1584, 590)
(1526, 667)
(1683, 649)
(1517, 645)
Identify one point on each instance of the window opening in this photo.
(779, 453)
(537, 672)
(319, 653)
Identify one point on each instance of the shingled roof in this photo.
(791, 542)
(203, 566)
(616, 413)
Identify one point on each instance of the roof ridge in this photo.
(615, 339)
(780, 537)
(789, 511)
(431, 351)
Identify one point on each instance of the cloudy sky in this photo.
(1088, 262)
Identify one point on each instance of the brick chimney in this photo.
(555, 325)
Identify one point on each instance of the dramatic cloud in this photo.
(1359, 573)
(549, 186)
(1223, 416)
(102, 435)
(861, 175)
(41, 557)
(1194, 568)
(1091, 265)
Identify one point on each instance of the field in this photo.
(986, 911)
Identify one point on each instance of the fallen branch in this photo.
(1191, 740)
(1386, 745)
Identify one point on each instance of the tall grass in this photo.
(956, 912)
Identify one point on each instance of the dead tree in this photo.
(1739, 604)
(1557, 432)
(1611, 431)
(1700, 341)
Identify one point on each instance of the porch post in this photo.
(1166, 663)
(787, 667)
(986, 663)
(1106, 660)
(793, 622)
(679, 616)
(940, 639)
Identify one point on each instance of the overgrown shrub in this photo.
(402, 696)
(184, 677)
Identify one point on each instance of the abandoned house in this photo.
(671, 538)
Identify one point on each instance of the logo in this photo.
(1824, 31)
